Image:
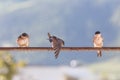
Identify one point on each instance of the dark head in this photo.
(97, 32)
(25, 35)
(19, 37)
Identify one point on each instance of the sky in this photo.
(74, 21)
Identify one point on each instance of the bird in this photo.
(57, 44)
(98, 42)
(23, 40)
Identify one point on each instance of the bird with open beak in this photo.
(57, 44)
(23, 40)
(98, 42)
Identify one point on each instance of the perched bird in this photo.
(23, 40)
(57, 44)
(98, 42)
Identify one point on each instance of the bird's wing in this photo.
(26, 42)
(61, 41)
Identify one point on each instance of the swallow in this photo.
(23, 40)
(98, 42)
(57, 44)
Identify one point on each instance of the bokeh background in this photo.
(75, 21)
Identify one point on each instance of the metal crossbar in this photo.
(63, 48)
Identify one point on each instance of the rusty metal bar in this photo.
(63, 48)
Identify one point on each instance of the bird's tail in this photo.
(57, 51)
(99, 53)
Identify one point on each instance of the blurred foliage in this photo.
(7, 66)
(21, 63)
